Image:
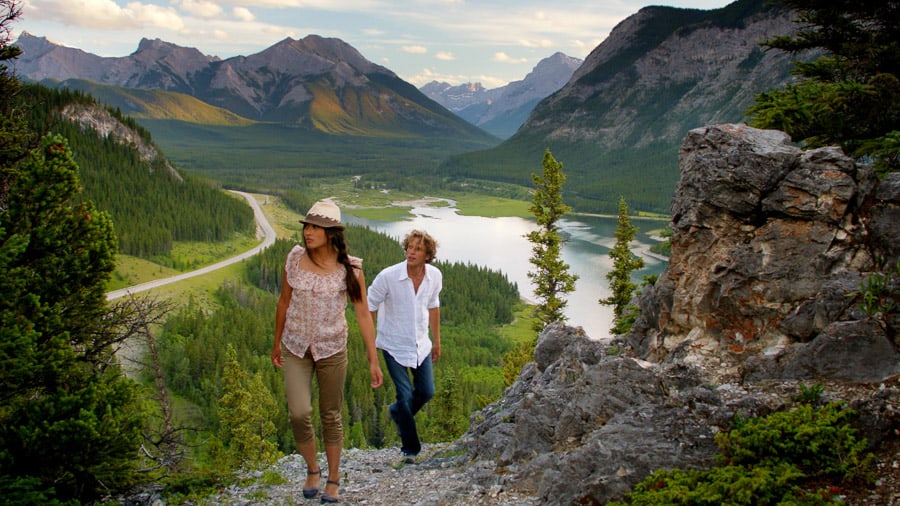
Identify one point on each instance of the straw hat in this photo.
(325, 214)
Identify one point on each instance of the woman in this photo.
(311, 337)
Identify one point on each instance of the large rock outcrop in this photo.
(771, 250)
(762, 296)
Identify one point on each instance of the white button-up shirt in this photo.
(403, 312)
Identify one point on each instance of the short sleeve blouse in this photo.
(315, 319)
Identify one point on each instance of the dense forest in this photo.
(595, 180)
(475, 302)
(150, 205)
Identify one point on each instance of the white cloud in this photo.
(155, 15)
(414, 49)
(541, 43)
(502, 57)
(243, 14)
(94, 14)
(103, 14)
(201, 8)
(445, 55)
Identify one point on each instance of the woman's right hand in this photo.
(277, 359)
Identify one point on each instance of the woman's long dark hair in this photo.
(336, 237)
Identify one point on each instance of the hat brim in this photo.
(323, 222)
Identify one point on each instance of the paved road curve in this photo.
(262, 224)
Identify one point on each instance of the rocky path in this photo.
(380, 477)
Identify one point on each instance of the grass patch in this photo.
(134, 271)
(391, 213)
(187, 256)
(199, 289)
(520, 330)
(490, 206)
(654, 216)
(283, 219)
(353, 195)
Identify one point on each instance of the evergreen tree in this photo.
(70, 423)
(551, 277)
(14, 135)
(247, 435)
(850, 95)
(448, 421)
(624, 263)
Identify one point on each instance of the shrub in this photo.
(784, 458)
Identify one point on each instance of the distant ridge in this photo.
(501, 111)
(316, 82)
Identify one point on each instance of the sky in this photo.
(492, 42)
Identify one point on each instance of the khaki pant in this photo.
(330, 374)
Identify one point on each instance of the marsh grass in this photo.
(491, 207)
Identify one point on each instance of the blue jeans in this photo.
(411, 396)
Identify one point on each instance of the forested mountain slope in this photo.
(151, 203)
(617, 124)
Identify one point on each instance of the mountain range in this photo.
(616, 123)
(501, 111)
(316, 82)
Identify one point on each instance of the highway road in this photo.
(262, 226)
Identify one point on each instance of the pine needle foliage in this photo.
(850, 95)
(800, 456)
(624, 263)
(550, 276)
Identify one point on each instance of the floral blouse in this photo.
(315, 317)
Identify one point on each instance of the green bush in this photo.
(819, 441)
(784, 458)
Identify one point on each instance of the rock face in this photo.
(762, 296)
(770, 249)
(665, 70)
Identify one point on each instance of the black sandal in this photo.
(310, 492)
(330, 498)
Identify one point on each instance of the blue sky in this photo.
(456, 41)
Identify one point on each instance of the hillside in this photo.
(319, 109)
(616, 125)
(152, 204)
(154, 104)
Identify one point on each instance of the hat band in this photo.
(322, 221)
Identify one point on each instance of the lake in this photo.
(500, 244)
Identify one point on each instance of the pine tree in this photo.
(850, 95)
(14, 135)
(448, 421)
(70, 423)
(624, 263)
(247, 435)
(551, 277)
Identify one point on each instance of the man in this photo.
(405, 299)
